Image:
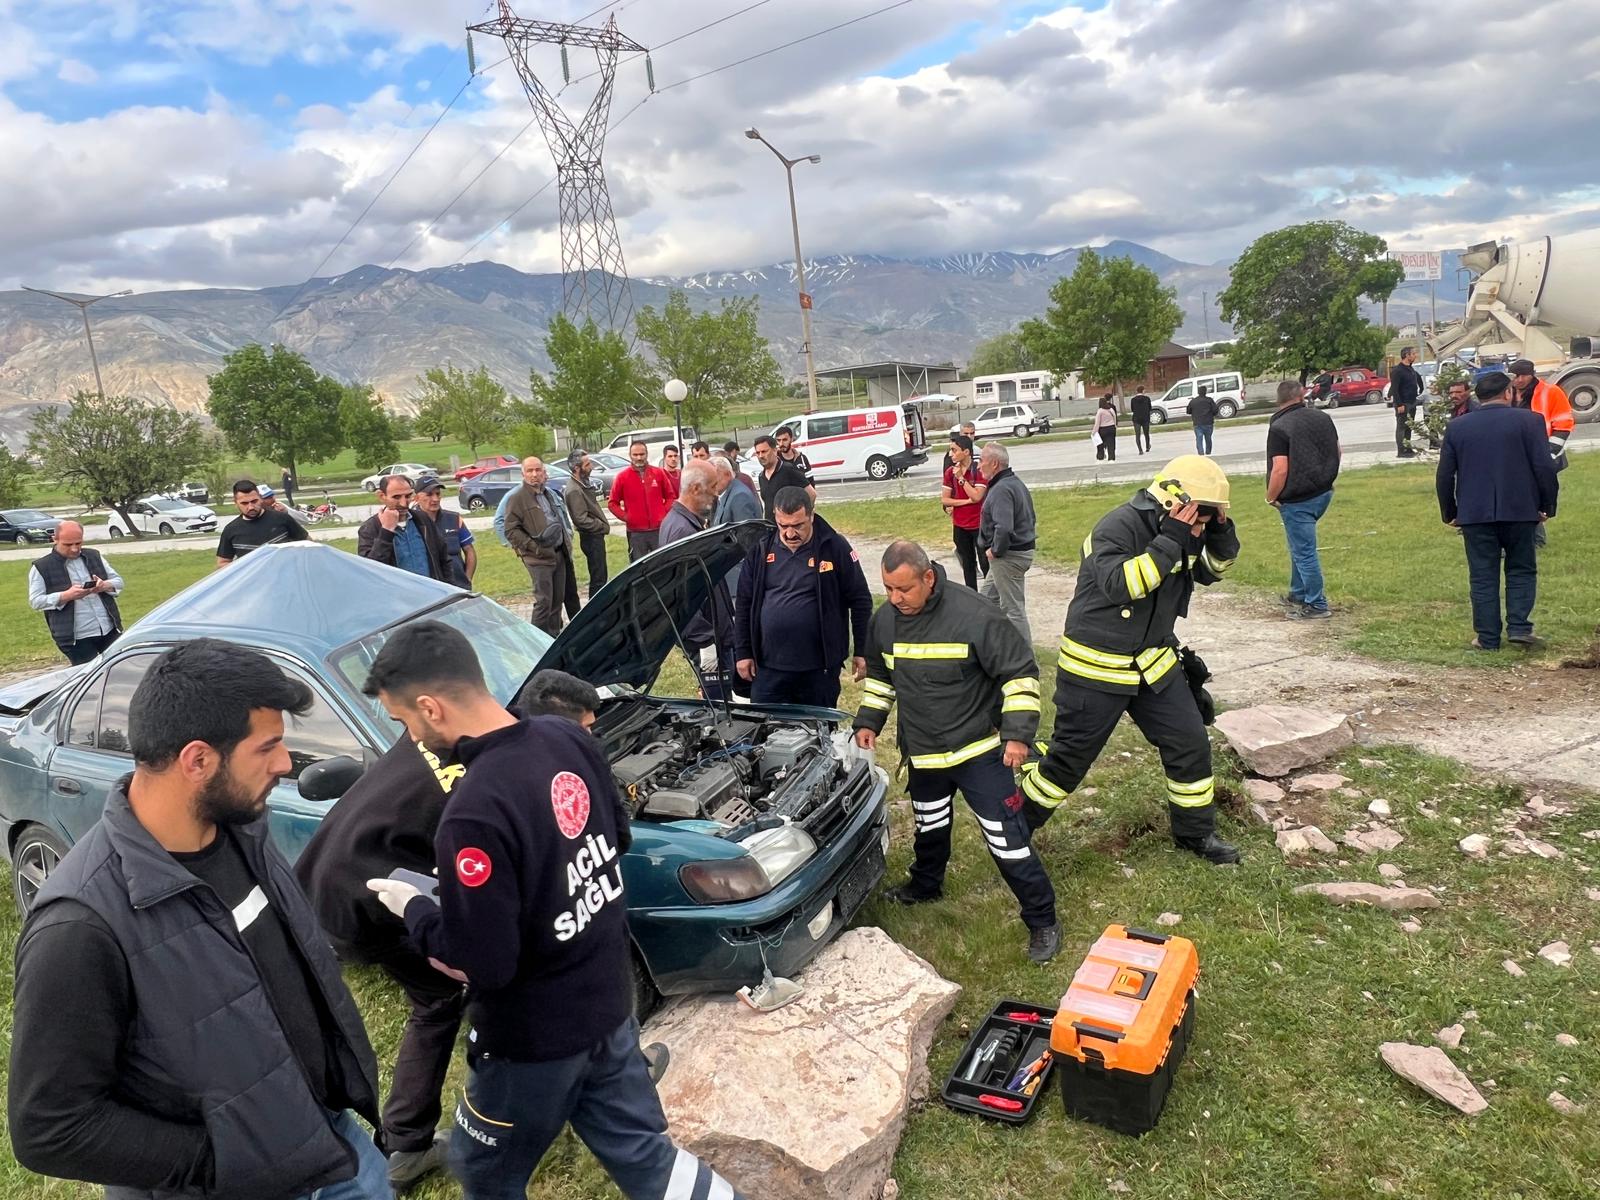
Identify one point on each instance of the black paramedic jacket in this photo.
(964, 678)
(1136, 573)
(844, 601)
(531, 905)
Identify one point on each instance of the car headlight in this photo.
(781, 852)
(724, 880)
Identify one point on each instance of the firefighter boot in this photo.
(1044, 944)
(1211, 848)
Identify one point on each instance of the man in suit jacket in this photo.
(1497, 484)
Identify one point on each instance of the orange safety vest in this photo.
(1551, 403)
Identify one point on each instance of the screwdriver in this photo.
(1001, 1102)
(1029, 1018)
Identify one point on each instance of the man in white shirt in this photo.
(76, 589)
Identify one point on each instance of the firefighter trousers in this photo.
(1085, 719)
(990, 790)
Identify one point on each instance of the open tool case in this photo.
(1003, 1046)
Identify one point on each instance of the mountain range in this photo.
(386, 326)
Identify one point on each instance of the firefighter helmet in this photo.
(1190, 477)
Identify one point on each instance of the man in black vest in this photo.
(180, 1025)
(76, 590)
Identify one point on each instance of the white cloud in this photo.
(73, 71)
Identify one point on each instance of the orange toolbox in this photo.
(1123, 1027)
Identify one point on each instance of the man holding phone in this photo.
(76, 590)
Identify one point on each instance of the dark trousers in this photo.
(86, 649)
(1085, 719)
(512, 1111)
(772, 686)
(411, 1114)
(1141, 434)
(641, 542)
(1107, 449)
(972, 563)
(549, 582)
(593, 546)
(1488, 546)
(569, 593)
(990, 790)
(1402, 428)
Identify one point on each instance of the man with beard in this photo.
(259, 523)
(180, 1026)
(588, 516)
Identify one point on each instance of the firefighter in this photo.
(1119, 654)
(968, 689)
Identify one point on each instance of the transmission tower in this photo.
(594, 276)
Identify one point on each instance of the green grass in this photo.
(1398, 575)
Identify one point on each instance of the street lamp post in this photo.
(799, 260)
(675, 391)
(81, 303)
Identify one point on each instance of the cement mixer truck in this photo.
(1550, 280)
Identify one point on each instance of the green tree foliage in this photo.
(719, 353)
(110, 451)
(432, 421)
(473, 407)
(213, 467)
(592, 380)
(274, 406)
(14, 472)
(1003, 354)
(367, 428)
(1107, 319)
(1295, 299)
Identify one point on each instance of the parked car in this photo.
(1225, 387)
(935, 400)
(754, 838)
(409, 470)
(488, 489)
(190, 493)
(661, 435)
(473, 470)
(875, 442)
(18, 525)
(1008, 420)
(157, 514)
(1352, 385)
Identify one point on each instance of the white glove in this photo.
(393, 894)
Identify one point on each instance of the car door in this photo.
(1176, 401)
(91, 751)
(325, 731)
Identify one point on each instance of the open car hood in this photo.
(22, 695)
(626, 632)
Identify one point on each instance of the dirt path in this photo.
(1535, 721)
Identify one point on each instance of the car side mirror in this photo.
(325, 781)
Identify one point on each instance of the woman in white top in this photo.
(1105, 429)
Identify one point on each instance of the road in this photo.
(1367, 435)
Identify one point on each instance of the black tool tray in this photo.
(963, 1095)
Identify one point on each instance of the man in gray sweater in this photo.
(1006, 537)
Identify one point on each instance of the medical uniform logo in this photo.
(473, 867)
(569, 797)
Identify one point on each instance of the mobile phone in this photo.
(428, 885)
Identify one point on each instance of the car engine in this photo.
(703, 763)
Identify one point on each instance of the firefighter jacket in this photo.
(1135, 576)
(963, 676)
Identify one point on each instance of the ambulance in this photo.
(875, 442)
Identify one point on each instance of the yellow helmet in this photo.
(1190, 477)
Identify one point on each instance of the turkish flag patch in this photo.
(473, 867)
(569, 797)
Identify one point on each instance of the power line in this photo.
(468, 187)
(786, 45)
(681, 36)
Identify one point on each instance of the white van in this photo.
(1225, 387)
(875, 442)
(664, 435)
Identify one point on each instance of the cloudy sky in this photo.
(157, 143)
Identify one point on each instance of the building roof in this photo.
(1171, 349)
(886, 370)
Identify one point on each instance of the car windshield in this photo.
(24, 516)
(508, 647)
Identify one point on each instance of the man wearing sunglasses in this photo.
(403, 536)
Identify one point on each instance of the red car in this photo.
(485, 464)
(1351, 385)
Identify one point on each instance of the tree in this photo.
(1107, 319)
(473, 407)
(111, 451)
(432, 422)
(213, 467)
(719, 353)
(592, 380)
(366, 427)
(276, 407)
(1295, 299)
(1003, 354)
(14, 472)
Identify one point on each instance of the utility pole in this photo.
(1205, 315)
(799, 260)
(82, 303)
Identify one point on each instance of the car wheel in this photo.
(37, 853)
(477, 502)
(165, 530)
(646, 999)
(1374, 397)
(1019, 431)
(1158, 416)
(368, 487)
(116, 531)
(878, 467)
(1227, 409)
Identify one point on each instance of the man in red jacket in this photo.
(640, 498)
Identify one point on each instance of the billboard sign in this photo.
(1421, 266)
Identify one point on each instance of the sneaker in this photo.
(1528, 641)
(657, 1056)
(1211, 848)
(904, 893)
(1290, 600)
(1475, 644)
(407, 1168)
(1406, 454)
(1044, 944)
(1308, 613)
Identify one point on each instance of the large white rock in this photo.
(808, 1102)
(1557, 954)
(1263, 791)
(1327, 781)
(1395, 899)
(1274, 739)
(1431, 1070)
(1307, 839)
(1372, 841)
